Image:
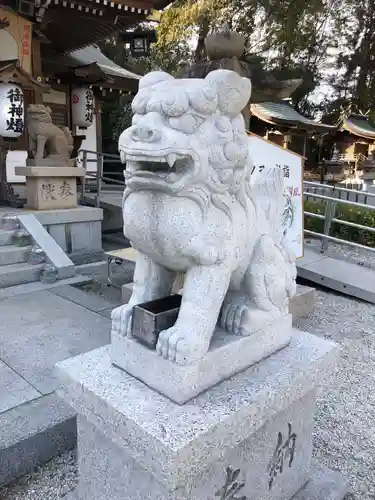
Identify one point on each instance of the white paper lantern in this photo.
(82, 107)
(12, 110)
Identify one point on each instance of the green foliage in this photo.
(116, 117)
(291, 35)
(364, 217)
(292, 38)
(353, 75)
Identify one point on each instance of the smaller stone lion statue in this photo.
(47, 141)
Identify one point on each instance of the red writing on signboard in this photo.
(26, 40)
(294, 191)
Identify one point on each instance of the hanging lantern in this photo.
(12, 112)
(140, 41)
(82, 107)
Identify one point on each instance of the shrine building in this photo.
(48, 55)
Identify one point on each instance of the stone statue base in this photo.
(249, 437)
(49, 188)
(50, 162)
(227, 356)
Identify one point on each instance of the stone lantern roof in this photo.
(225, 50)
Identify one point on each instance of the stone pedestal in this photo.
(227, 356)
(49, 188)
(249, 437)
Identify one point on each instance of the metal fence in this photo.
(336, 196)
(331, 195)
(98, 179)
(349, 157)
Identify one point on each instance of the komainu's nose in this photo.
(145, 133)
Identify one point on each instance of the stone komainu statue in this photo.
(46, 140)
(192, 205)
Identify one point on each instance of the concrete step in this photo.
(341, 275)
(5, 237)
(17, 274)
(10, 254)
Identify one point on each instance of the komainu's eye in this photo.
(188, 124)
(174, 105)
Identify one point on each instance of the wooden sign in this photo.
(15, 39)
(266, 155)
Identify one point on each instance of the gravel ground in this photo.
(51, 482)
(344, 433)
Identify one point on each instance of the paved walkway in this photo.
(337, 274)
(37, 330)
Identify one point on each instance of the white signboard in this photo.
(265, 155)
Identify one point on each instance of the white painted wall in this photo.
(15, 159)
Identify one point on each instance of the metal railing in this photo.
(98, 177)
(348, 157)
(331, 195)
(329, 216)
(312, 188)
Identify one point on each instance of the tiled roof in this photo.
(282, 113)
(92, 54)
(360, 126)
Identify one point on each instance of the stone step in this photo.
(17, 274)
(5, 237)
(11, 254)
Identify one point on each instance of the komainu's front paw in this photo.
(122, 320)
(181, 346)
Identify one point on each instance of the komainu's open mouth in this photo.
(155, 165)
(168, 167)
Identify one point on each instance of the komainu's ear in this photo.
(233, 90)
(154, 78)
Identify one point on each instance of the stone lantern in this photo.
(225, 49)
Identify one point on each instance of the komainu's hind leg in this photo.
(239, 316)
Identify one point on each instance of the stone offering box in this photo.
(151, 318)
(49, 188)
(247, 438)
